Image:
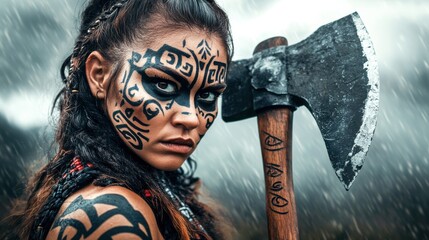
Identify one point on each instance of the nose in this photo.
(186, 117)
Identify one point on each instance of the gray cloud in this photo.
(28, 43)
(389, 194)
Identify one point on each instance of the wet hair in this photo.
(85, 132)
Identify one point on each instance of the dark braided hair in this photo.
(78, 175)
(84, 130)
(83, 40)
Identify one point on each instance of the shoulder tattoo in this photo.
(114, 206)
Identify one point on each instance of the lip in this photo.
(179, 145)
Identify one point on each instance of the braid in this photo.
(84, 129)
(74, 178)
(106, 15)
(83, 40)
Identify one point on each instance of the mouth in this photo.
(179, 145)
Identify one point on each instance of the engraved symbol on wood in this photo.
(272, 143)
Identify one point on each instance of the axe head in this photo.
(333, 73)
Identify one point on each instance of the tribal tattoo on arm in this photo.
(98, 218)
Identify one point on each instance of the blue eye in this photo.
(166, 87)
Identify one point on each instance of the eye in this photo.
(208, 97)
(166, 87)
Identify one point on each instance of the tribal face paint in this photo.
(166, 96)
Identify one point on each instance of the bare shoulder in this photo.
(105, 213)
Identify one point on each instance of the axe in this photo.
(334, 74)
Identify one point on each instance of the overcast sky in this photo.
(36, 35)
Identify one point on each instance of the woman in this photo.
(141, 90)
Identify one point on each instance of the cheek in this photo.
(206, 119)
(133, 113)
(132, 131)
(133, 95)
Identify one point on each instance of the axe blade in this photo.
(237, 99)
(334, 73)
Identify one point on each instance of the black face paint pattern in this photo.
(182, 97)
(121, 207)
(176, 57)
(132, 129)
(174, 65)
(149, 112)
(209, 118)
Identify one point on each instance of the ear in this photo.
(97, 70)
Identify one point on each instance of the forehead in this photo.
(198, 57)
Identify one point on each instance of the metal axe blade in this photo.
(333, 73)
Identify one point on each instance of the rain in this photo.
(388, 200)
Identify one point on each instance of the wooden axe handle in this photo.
(275, 132)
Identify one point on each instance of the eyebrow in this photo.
(219, 86)
(172, 73)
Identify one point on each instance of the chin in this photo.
(167, 163)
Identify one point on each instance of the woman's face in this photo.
(165, 98)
